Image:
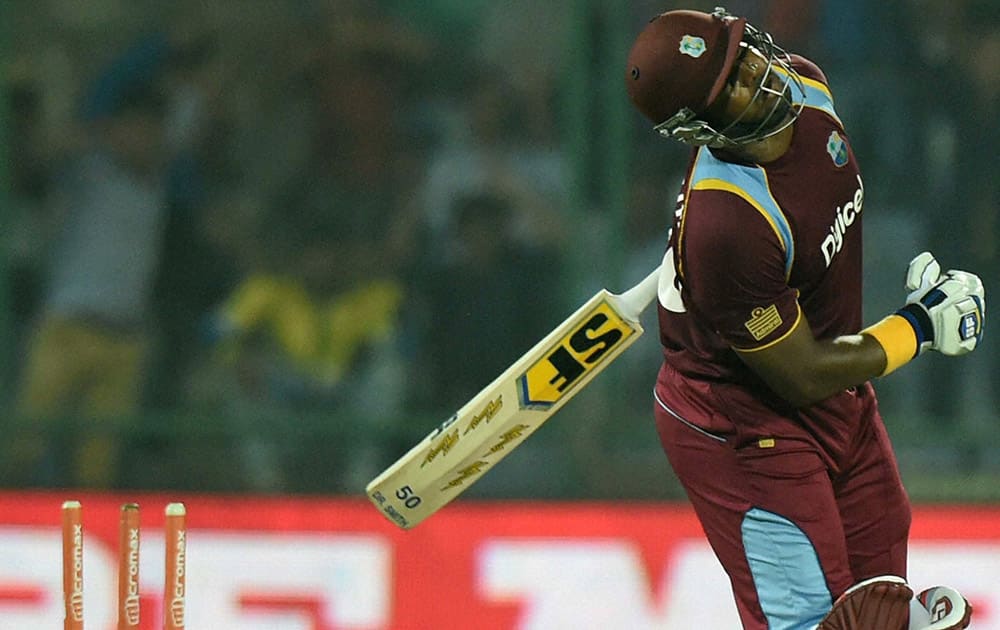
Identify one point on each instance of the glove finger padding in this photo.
(922, 274)
(880, 603)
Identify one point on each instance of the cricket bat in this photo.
(501, 416)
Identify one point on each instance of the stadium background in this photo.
(373, 207)
(477, 165)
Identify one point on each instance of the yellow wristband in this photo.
(897, 339)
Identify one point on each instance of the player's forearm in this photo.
(804, 370)
(832, 367)
(863, 356)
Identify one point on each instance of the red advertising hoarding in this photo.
(323, 564)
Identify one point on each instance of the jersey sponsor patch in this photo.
(844, 217)
(763, 321)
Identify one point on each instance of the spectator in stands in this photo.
(965, 143)
(87, 354)
(318, 331)
(490, 153)
(89, 357)
(478, 306)
(955, 145)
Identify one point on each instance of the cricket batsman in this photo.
(764, 403)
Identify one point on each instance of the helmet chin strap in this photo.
(781, 116)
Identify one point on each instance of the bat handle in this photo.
(635, 300)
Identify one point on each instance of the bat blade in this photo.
(508, 410)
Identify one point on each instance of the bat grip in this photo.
(634, 301)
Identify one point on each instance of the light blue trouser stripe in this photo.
(790, 583)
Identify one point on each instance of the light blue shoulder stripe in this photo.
(814, 94)
(818, 97)
(751, 182)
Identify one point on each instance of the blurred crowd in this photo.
(311, 229)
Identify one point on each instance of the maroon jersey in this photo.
(754, 249)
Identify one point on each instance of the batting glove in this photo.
(946, 312)
(942, 312)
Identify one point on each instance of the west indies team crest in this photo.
(693, 46)
(836, 146)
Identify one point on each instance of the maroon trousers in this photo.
(791, 535)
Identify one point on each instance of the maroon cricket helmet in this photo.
(681, 60)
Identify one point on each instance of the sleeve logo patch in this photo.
(763, 321)
(837, 148)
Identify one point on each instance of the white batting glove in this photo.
(946, 312)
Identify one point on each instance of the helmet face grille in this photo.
(780, 82)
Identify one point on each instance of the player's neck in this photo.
(763, 151)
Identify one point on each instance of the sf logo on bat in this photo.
(580, 352)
